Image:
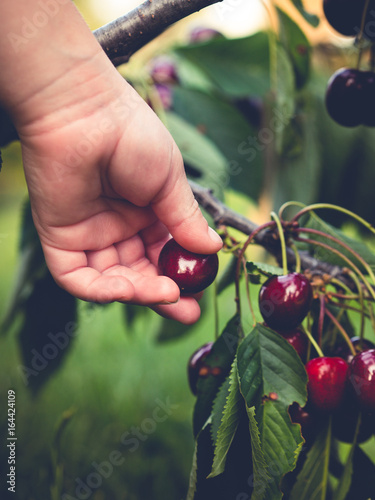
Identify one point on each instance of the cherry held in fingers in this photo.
(284, 301)
(192, 272)
(361, 375)
(327, 383)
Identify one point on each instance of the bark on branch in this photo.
(121, 38)
(224, 216)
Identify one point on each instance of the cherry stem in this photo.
(248, 293)
(361, 301)
(297, 256)
(316, 206)
(216, 311)
(287, 204)
(344, 245)
(341, 330)
(360, 35)
(341, 284)
(343, 296)
(342, 256)
(282, 241)
(314, 343)
(349, 308)
(321, 318)
(240, 257)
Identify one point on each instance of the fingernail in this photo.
(167, 303)
(214, 236)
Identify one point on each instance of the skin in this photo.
(106, 180)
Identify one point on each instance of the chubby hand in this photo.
(107, 189)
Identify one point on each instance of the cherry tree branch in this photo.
(121, 38)
(224, 216)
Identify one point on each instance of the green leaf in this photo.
(312, 480)
(260, 469)
(47, 332)
(193, 479)
(191, 76)
(221, 357)
(231, 133)
(263, 268)
(297, 46)
(272, 377)
(198, 151)
(285, 93)
(31, 267)
(316, 223)
(229, 416)
(298, 171)
(310, 18)
(238, 67)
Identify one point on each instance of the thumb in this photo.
(179, 211)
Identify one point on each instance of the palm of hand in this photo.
(103, 212)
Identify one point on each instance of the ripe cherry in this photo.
(284, 301)
(164, 70)
(361, 376)
(297, 339)
(327, 382)
(201, 34)
(344, 97)
(192, 272)
(196, 366)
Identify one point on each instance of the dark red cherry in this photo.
(284, 301)
(345, 97)
(192, 272)
(361, 376)
(326, 382)
(297, 339)
(201, 34)
(196, 366)
(344, 15)
(163, 70)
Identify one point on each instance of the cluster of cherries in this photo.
(350, 91)
(341, 385)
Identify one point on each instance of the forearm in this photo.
(46, 50)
